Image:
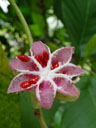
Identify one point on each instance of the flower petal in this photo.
(45, 94)
(15, 83)
(19, 65)
(72, 70)
(66, 87)
(62, 55)
(38, 48)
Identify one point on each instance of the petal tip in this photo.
(9, 90)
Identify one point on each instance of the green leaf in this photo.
(10, 115)
(82, 113)
(52, 46)
(48, 4)
(38, 26)
(29, 120)
(49, 114)
(91, 46)
(93, 65)
(78, 17)
(36, 31)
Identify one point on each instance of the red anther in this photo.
(45, 56)
(39, 59)
(23, 58)
(34, 80)
(55, 65)
(25, 84)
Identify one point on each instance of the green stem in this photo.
(23, 21)
(38, 111)
(39, 114)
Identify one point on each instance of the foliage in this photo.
(72, 21)
(9, 104)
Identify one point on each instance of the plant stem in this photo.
(39, 114)
(38, 111)
(23, 21)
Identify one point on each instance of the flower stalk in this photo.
(23, 21)
(39, 114)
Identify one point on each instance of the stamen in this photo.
(34, 80)
(55, 65)
(23, 58)
(25, 84)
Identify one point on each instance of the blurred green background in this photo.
(57, 23)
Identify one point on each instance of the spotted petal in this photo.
(66, 87)
(72, 70)
(38, 48)
(62, 55)
(19, 65)
(45, 94)
(15, 83)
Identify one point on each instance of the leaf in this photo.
(48, 4)
(78, 17)
(82, 113)
(38, 26)
(91, 46)
(49, 114)
(52, 46)
(93, 65)
(10, 115)
(29, 120)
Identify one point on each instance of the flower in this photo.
(46, 73)
(4, 5)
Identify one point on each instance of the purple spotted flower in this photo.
(46, 73)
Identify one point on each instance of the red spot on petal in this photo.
(23, 58)
(55, 65)
(39, 59)
(43, 59)
(34, 80)
(45, 56)
(25, 84)
(65, 72)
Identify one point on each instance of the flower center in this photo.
(45, 73)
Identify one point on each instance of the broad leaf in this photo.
(29, 120)
(10, 115)
(91, 46)
(82, 113)
(78, 17)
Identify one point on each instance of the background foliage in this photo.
(57, 23)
